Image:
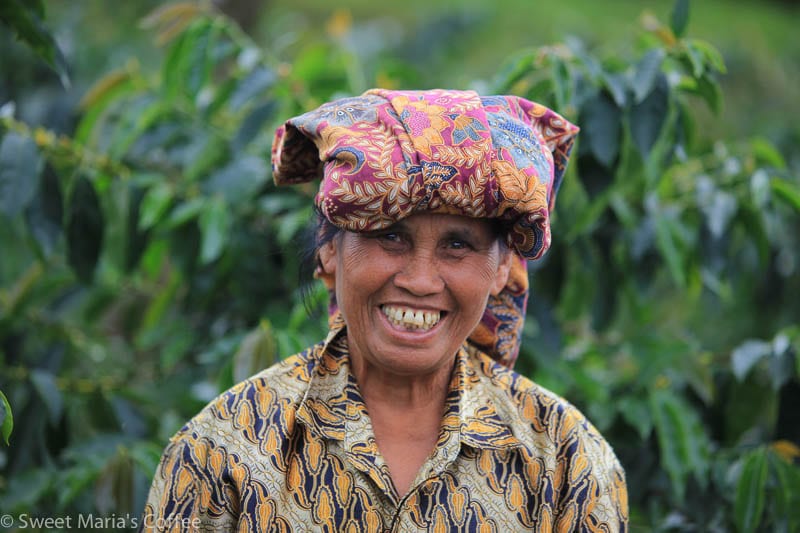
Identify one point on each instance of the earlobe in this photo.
(327, 257)
(503, 271)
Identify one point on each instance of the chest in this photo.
(326, 486)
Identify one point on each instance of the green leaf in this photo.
(710, 54)
(750, 492)
(215, 224)
(25, 18)
(514, 69)
(257, 351)
(709, 89)
(670, 251)
(745, 356)
(255, 83)
(562, 82)
(601, 122)
(45, 385)
(6, 418)
(680, 18)
(683, 444)
(178, 62)
(781, 364)
(766, 153)
(45, 214)
(648, 117)
(238, 180)
(106, 92)
(186, 211)
(135, 239)
(647, 72)
(20, 168)
(85, 227)
(636, 414)
(252, 125)
(786, 191)
(155, 204)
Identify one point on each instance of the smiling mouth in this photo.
(411, 319)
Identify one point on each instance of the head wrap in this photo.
(385, 155)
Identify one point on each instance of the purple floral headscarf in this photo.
(387, 154)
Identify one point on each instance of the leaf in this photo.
(85, 226)
(745, 356)
(786, 191)
(750, 492)
(601, 122)
(135, 239)
(20, 167)
(25, 18)
(647, 71)
(6, 418)
(636, 414)
(648, 116)
(45, 214)
(562, 82)
(186, 211)
(667, 245)
(514, 69)
(45, 385)
(215, 223)
(98, 99)
(238, 180)
(679, 19)
(781, 364)
(177, 65)
(709, 89)
(155, 204)
(710, 54)
(719, 212)
(255, 83)
(252, 125)
(787, 475)
(683, 443)
(257, 351)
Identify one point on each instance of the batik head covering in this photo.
(386, 155)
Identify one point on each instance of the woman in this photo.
(407, 417)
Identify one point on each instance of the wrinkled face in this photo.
(412, 293)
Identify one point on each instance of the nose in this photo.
(420, 276)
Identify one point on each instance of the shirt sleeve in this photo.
(188, 493)
(596, 496)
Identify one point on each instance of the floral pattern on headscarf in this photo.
(387, 154)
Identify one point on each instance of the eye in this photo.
(390, 236)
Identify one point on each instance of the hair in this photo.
(321, 231)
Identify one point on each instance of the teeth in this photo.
(411, 319)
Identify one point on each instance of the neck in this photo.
(385, 389)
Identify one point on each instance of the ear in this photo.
(503, 271)
(327, 257)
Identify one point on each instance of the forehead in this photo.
(443, 223)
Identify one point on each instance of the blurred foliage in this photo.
(148, 263)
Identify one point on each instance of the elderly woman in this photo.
(408, 416)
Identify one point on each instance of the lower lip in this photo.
(415, 334)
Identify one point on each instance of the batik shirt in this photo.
(292, 449)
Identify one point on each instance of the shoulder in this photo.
(535, 412)
(590, 477)
(267, 398)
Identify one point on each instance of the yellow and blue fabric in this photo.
(292, 450)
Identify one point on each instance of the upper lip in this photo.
(414, 306)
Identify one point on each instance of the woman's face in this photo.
(412, 293)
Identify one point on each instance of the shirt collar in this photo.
(476, 413)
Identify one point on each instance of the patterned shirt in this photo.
(292, 449)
